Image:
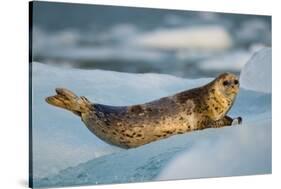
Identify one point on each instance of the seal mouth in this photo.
(232, 90)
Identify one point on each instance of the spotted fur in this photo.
(133, 126)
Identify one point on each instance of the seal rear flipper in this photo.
(68, 100)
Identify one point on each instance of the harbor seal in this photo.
(136, 125)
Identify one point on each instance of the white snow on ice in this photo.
(242, 151)
(60, 139)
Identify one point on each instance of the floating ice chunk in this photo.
(61, 140)
(231, 61)
(200, 37)
(66, 45)
(257, 73)
(43, 41)
(105, 53)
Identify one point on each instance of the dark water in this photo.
(101, 37)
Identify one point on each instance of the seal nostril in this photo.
(236, 81)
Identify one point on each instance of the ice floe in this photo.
(236, 150)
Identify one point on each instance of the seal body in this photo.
(133, 126)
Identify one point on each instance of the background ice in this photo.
(254, 78)
(60, 140)
(141, 40)
(187, 38)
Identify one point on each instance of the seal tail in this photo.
(68, 100)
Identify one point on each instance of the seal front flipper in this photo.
(225, 121)
(237, 121)
(68, 100)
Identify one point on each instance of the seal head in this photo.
(227, 84)
(221, 94)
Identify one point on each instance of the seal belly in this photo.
(104, 122)
(136, 125)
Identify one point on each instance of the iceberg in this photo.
(257, 79)
(237, 150)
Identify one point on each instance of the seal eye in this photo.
(236, 81)
(225, 83)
